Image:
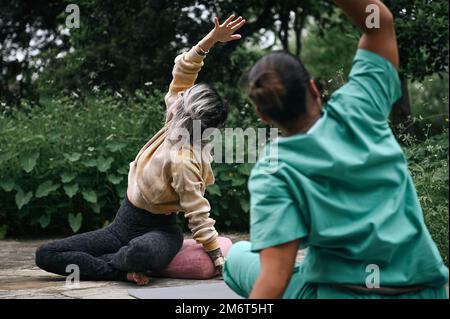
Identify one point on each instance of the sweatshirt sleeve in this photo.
(185, 73)
(190, 187)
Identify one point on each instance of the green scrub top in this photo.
(344, 188)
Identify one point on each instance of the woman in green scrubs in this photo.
(338, 184)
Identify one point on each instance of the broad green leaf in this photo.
(71, 189)
(46, 188)
(238, 181)
(214, 190)
(23, 198)
(104, 164)
(32, 138)
(67, 177)
(90, 196)
(226, 176)
(5, 157)
(245, 169)
(7, 184)
(44, 221)
(95, 208)
(90, 163)
(28, 161)
(74, 157)
(121, 190)
(75, 221)
(115, 147)
(114, 179)
(244, 204)
(3, 230)
(123, 170)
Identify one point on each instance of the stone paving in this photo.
(20, 278)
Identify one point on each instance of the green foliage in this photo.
(430, 104)
(423, 31)
(328, 54)
(19, 24)
(428, 163)
(71, 157)
(120, 46)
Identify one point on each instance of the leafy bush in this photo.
(428, 163)
(66, 165)
(430, 104)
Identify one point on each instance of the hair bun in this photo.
(267, 89)
(278, 86)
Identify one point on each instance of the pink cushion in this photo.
(192, 262)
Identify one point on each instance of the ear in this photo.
(313, 89)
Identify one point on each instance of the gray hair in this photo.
(199, 103)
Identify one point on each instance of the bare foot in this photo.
(139, 278)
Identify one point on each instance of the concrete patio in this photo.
(20, 278)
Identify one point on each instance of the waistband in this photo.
(385, 291)
(134, 215)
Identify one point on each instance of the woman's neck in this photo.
(302, 124)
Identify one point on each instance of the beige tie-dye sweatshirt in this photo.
(163, 182)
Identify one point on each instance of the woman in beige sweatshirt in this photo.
(169, 175)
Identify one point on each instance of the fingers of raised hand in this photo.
(216, 23)
(227, 21)
(235, 37)
(234, 22)
(238, 25)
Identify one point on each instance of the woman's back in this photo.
(344, 187)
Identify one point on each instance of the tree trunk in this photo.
(401, 116)
(283, 32)
(298, 28)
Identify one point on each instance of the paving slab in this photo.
(20, 278)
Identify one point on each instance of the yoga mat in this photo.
(203, 291)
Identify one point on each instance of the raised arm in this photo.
(378, 38)
(188, 64)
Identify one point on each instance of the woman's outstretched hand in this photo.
(225, 32)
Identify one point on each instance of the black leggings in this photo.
(137, 241)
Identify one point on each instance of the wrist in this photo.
(212, 37)
(208, 42)
(216, 253)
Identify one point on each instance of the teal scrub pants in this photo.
(242, 268)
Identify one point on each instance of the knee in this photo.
(142, 257)
(236, 260)
(235, 255)
(237, 249)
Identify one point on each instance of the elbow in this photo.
(386, 16)
(167, 99)
(387, 19)
(378, 19)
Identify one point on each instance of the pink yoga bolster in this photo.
(192, 262)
